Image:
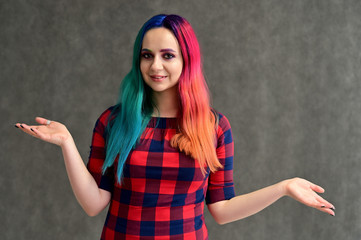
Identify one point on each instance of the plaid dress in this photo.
(163, 190)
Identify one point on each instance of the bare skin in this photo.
(93, 200)
(162, 72)
(248, 204)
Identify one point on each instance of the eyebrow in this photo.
(162, 50)
(167, 50)
(146, 50)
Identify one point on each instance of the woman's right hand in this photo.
(54, 132)
(92, 199)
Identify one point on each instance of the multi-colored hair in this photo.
(196, 119)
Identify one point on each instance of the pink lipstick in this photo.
(157, 78)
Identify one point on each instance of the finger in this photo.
(19, 125)
(317, 188)
(328, 210)
(33, 131)
(325, 206)
(324, 203)
(25, 128)
(39, 134)
(42, 121)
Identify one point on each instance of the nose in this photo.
(156, 64)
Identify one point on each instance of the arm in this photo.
(248, 204)
(92, 199)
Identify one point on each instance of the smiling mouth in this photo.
(157, 78)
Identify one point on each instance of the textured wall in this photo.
(285, 73)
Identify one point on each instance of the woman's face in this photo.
(161, 61)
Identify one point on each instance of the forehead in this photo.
(160, 38)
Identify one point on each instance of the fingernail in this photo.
(31, 129)
(333, 209)
(332, 215)
(323, 206)
(16, 126)
(21, 126)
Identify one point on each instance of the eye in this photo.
(146, 55)
(168, 56)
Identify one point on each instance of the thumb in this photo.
(317, 188)
(41, 120)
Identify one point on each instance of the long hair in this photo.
(197, 121)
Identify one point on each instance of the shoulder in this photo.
(110, 112)
(223, 122)
(103, 119)
(224, 130)
(105, 114)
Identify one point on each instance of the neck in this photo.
(167, 103)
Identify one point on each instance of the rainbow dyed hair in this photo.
(197, 121)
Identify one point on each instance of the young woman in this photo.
(162, 150)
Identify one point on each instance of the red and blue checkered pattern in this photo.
(163, 190)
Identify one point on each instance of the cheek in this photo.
(180, 68)
(177, 68)
(143, 67)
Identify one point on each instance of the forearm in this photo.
(85, 189)
(246, 205)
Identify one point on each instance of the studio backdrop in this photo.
(285, 73)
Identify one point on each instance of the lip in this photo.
(157, 78)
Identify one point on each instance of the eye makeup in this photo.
(167, 53)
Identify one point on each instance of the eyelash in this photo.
(146, 55)
(167, 56)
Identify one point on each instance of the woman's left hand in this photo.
(306, 193)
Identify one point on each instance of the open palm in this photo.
(54, 132)
(306, 193)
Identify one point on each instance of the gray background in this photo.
(285, 73)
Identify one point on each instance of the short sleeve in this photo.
(98, 153)
(220, 183)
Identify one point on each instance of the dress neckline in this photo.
(156, 117)
(163, 122)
